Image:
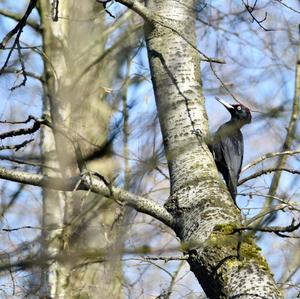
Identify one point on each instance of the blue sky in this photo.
(260, 70)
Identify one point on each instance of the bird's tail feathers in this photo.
(232, 187)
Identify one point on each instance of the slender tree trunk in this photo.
(78, 225)
(227, 265)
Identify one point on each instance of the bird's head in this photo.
(238, 112)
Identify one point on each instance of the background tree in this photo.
(104, 76)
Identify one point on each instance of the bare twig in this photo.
(126, 131)
(22, 71)
(268, 156)
(287, 6)
(290, 135)
(22, 131)
(19, 228)
(28, 74)
(168, 292)
(250, 10)
(96, 185)
(223, 84)
(17, 30)
(25, 162)
(278, 230)
(291, 205)
(20, 25)
(17, 18)
(153, 18)
(262, 214)
(265, 171)
(15, 147)
(73, 137)
(109, 50)
(166, 258)
(12, 200)
(16, 122)
(104, 3)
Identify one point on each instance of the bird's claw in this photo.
(197, 132)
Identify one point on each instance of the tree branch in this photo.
(278, 230)
(18, 18)
(250, 10)
(20, 25)
(17, 30)
(22, 71)
(268, 156)
(93, 183)
(265, 171)
(290, 135)
(287, 6)
(21, 131)
(152, 18)
(261, 215)
(15, 147)
(28, 74)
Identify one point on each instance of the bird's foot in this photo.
(197, 132)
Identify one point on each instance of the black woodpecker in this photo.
(228, 145)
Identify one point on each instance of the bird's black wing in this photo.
(228, 152)
(232, 149)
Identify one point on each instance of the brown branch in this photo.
(168, 292)
(93, 152)
(268, 156)
(18, 18)
(109, 50)
(12, 200)
(250, 10)
(28, 74)
(20, 25)
(16, 122)
(91, 182)
(19, 228)
(87, 181)
(287, 6)
(290, 135)
(15, 147)
(89, 256)
(289, 204)
(292, 124)
(165, 258)
(278, 230)
(17, 30)
(152, 18)
(222, 83)
(104, 3)
(22, 131)
(22, 71)
(266, 171)
(261, 215)
(37, 123)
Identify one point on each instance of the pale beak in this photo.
(228, 106)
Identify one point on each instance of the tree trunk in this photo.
(78, 226)
(227, 265)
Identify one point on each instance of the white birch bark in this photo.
(226, 265)
(83, 222)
